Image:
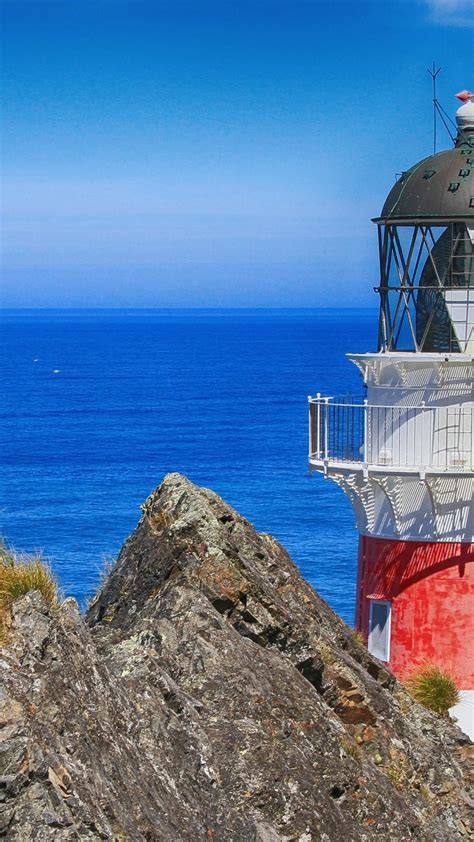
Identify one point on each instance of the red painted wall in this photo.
(431, 587)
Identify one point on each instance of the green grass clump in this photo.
(20, 574)
(433, 687)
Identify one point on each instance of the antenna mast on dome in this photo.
(433, 73)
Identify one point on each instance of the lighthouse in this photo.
(404, 452)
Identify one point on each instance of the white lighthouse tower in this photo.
(404, 455)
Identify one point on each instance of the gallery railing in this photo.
(420, 437)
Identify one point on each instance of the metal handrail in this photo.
(322, 399)
(419, 437)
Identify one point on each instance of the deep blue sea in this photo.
(99, 404)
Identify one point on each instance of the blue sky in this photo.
(166, 154)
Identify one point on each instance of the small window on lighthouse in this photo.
(379, 629)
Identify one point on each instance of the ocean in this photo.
(99, 404)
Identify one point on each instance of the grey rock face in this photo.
(213, 695)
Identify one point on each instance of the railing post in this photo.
(318, 425)
(366, 431)
(326, 429)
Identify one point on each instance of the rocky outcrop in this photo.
(213, 695)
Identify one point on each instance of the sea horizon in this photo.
(187, 309)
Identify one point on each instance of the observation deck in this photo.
(370, 438)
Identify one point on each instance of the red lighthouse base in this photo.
(423, 593)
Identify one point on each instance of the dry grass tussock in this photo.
(433, 687)
(20, 574)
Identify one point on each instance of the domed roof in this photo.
(439, 187)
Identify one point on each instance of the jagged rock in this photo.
(214, 695)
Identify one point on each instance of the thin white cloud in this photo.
(458, 13)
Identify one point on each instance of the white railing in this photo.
(419, 437)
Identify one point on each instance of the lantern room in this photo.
(426, 249)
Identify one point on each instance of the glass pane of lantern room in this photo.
(432, 320)
(403, 338)
(401, 254)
